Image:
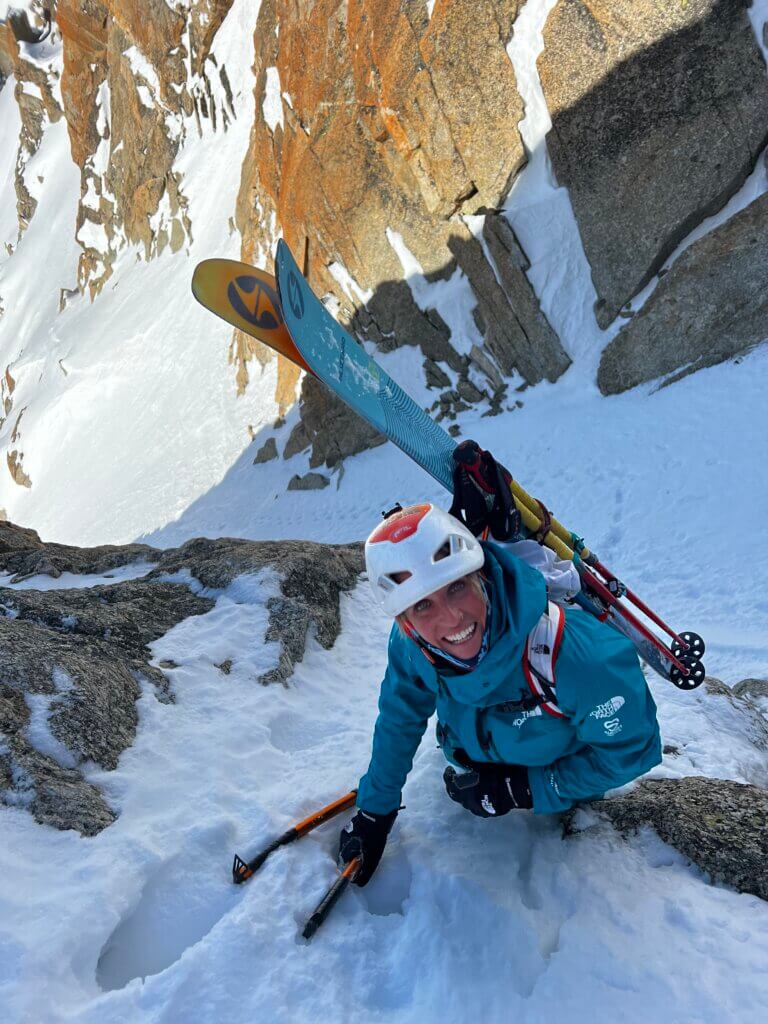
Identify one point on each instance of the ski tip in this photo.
(310, 927)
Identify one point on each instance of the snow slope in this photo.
(143, 924)
(129, 405)
(466, 917)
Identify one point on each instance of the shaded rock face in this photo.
(517, 337)
(327, 424)
(388, 127)
(757, 689)
(125, 85)
(697, 316)
(308, 482)
(659, 112)
(73, 662)
(721, 826)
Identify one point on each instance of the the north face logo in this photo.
(609, 709)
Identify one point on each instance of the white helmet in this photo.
(414, 541)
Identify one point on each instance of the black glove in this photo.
(365, 836)
(490, 790)
(481, 494)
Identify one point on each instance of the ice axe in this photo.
(242, 870)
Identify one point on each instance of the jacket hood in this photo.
(518, 596)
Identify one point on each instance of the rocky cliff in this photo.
(384, 140)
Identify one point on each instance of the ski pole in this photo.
(568, 538)
(328, 902)
(242, 870)
(608, 598)
(573, 548)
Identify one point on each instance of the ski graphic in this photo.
(246, 298)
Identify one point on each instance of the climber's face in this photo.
(452, 618)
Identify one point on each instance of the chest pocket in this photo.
(539, 668)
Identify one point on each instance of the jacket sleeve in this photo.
(405, 707)
(601, 688)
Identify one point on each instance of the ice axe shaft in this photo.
(242, 870)
(328, 902)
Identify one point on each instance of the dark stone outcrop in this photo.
(711, 305)
(23, 554)
(267, 452)
(721, 826)
(519, 337)
(753, 688)
(659, 113)
(80, 656)
(333, 429)
(308, 482)
(312, 576)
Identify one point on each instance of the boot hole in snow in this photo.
(177, 908)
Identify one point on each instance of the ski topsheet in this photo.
(342, 364)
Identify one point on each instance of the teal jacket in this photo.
(609, 734)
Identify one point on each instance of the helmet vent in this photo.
(442, 552)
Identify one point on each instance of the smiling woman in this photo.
(544, 706)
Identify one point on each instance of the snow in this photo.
(459, 907)
(757, 13)
(141, 68)
(348, 283)
(10, 120)
(70, 580)
(453, 299)
(38, 730)
(147, 418)
(272, 106)
(144, 437)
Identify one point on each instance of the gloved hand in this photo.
(365, 836)
(481, 494)
(489, 790)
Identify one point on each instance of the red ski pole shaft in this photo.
(566, 544)
(598, 566)
(605, 595)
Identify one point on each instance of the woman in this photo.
(542, 708)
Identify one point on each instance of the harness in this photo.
(540, 658)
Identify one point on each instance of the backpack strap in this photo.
(540, 656)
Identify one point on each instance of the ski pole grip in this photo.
(467, 454)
